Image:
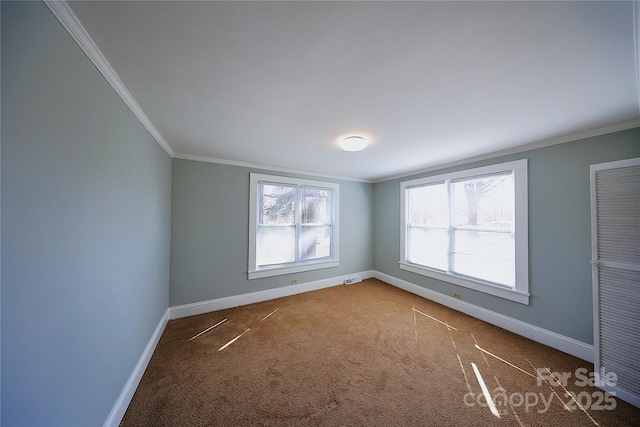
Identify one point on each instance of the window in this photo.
(293, 225)
(469, 228)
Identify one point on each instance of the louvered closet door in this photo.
(615, 211)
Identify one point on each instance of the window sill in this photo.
(487, 288)
(279, 270)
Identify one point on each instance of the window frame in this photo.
(520, 291)
(255, 271)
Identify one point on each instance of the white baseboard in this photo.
(559, 342)
(121, 405)
(543, 336)
(623, 395)
(252, 297)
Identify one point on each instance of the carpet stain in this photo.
(377, 338)
(333, 404)
(381, 384)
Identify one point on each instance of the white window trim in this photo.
(520, 292)
(255, 272)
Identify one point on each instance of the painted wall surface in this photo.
(559, 234)
(210, 233)
(636, 23)
(85, 229)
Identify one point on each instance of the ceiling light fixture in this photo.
(353, 143)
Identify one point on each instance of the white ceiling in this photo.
(429, 83)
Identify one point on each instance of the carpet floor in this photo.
(367, 354)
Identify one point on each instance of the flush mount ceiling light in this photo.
(353, 143)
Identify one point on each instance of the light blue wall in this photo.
(210, 233)
(94, 217)
(85, 229)
(559, 234)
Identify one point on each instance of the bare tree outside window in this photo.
(281, 225)
(464, 227)
(469, 227)
(278, 204)
(493, 211)
(293, 225)
(482, 243)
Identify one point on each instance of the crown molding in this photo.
(522, 148)
(266, 167)
(70, 22)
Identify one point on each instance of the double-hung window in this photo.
(469, 228)
(293, 225)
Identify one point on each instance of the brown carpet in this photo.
(367, 354)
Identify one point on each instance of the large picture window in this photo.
(469, 228)
(293, 225)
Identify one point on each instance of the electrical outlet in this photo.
(294, 281)
(455, 295)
